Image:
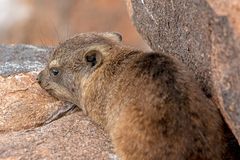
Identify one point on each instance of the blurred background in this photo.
(47, 22)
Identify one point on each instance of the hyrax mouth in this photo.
(67, 109)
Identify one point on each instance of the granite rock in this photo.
(70, 137)
(204, 35)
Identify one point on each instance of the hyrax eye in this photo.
(54, 72)
(91, 59)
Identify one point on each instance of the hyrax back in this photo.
(148, 102)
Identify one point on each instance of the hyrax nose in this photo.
(39, 78)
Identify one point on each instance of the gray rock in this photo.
(204, 41)
(22, 58)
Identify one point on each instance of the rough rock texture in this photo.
(22, 58)
(206, 42)
(231, 9)
(24, 104)
(26, 111)
(71, 137)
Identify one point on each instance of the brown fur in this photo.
(148, 102)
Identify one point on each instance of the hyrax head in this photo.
(73, 61)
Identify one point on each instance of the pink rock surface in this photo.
(24, 104)
(231, 9)
(71, 137)
(24, 109)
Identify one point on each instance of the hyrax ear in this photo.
(93, 58)
(117, 37)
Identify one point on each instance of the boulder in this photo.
(204, 35)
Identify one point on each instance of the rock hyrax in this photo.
(148, 102)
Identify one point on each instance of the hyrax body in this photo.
(148, 102)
